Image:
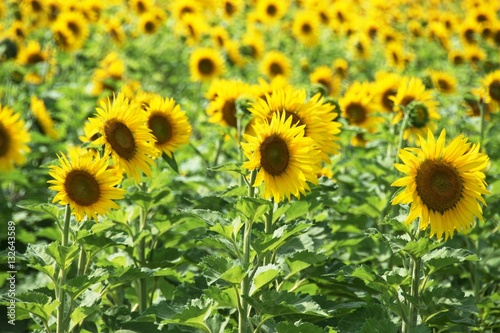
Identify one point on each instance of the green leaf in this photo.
(263, 276)
(266, 242)
(194, 315)
(253, 208)
(171, 161)
(417, 248)
(374, 281)
(46, 208)
(303, 259)
(229, 167)
(373, 325)
(63, 255)
(235, 191)
(80, 313)
(224, 297)
(281, 303)
(37, 304)
(446, 256)
(78, 285)
(297, 327)
(40, 260)
(215, 268)
(297, 209)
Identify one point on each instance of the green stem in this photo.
(401, 131)
(62, 275)
(141, 252)
(415, 277)
(245, 283)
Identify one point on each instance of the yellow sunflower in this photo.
(253, 44)
(179, 8)
(325, 76)
(386, 85)
(85, 183)
(43, 117)
(340, 67)
(13, 139)
(443, 184)
(231, 8)
(121, 127)
(149, 23)
(222, 108)
(420, 120)
(70, 30)
(443, 81)
(492, 85)
(317, 116)
(271, 11)
(275, 63)
(32, 54)
(411, 89)
(219, 35)
(168, 123)
(305, 27)
(286, 159)
(205, 64)
(357, 106)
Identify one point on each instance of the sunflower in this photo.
(357, 106)
(43, 117)
(271, 11)
(253, 44)
(231, 8)
(305, 27)
(286, 159)
(233, 53)
(141, 6)
(219, 35)
(275, 63)
(13, 139)
(474, 54)
(443, 184)
(192, 27)
(324, 75)
(86, 184)
(476, 100)
(411, 89)
(492, 85)
(222, 108)
(360, 45)
(317, 116)
(168, 123)
(456, 57)
(179, 8)
(32, 54)
(386, 85)
(340, 67)
(420, 120)
(443, 81)
(396, 56)
(70, 30)
(469, 31)
(205, 64)
(114, 28)
(149, 23)
(120, 125)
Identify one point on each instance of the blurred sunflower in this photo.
(231, 8)
(420, 120)
(340, 67)
(443, 81)
(386, 86)
(317, 116)
(179, 8)
(71, 30)
(396, 56)
(469, 31)
(411, 89)
(476, 100)
(32, 54)
(219, 35)
(491, 82)
(357, 106)
(205, 64)
(474, 54)
(192, 27)
(324, 75)
(120, 126)
(168, 123)
(360, 45)
(43, 118)
(13, 139)
(233, 51)
(35, 10)
(86, 184)
(141, 6)
(443, 184)
(275, 63)
(253, 44)
(305, 27)
(114, 28)
(149, 23)
(271, 11)
(456, 57)
(286, 160)
(222, 108)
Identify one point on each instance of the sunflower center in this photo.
(35, 58)
(469, 35)
(4, 141)
(407, 100)
(494, 90)
(275, 69)
(149, 27)
(419, 116)
(120, 138)
(206, 66)
(439, 185)
(229, 8)
(82, 187)
(36, 6)
(229, 113)
(306, 28)
(75, 29)
(443, 84)
(356, 113)
(161, 128)
(271, 10)
(387, 103)
(295, 118)
(274, 156)
(327, 85)
(141, 7)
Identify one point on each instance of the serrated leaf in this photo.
(417, 248)
(78, 285)
(297, 209)
(63, 255)
(37, 304)
(235, 191)
(253, 208)
(279, 237)
(193, 315)
(297, 327)
(46, 208)
(373, 325)
(215, 268)
(280, 303)
(303, 259)
(171, 161)
(263, 276)
(446, 256)
(80, 313)
(224, 297)
(374, 281)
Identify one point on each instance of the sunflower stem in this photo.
(401, 131)
(141, 252)
(62, 275)
(268, 229)
(413, 308)
(244, 309)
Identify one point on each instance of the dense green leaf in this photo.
(215, 268)
(50, 209)
(373, 325)
(63, 255)
(253, 208)
(78, 285)
(279, 237)
(171, 161)
(229, 167)
(37, 304)
(297, 327)
(417, 248)
(263, 276)
(303, 259)
(446, 256)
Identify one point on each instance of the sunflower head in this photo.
(492, 85)
(205, 64)
(85, 183)
(13, 139)
(443, 184)
(275, 64)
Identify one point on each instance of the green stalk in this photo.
(245, 283)
(268, 229)
(415, 277)
(62, 275)
(141, 252)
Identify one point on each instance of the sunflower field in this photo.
(290, 166)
